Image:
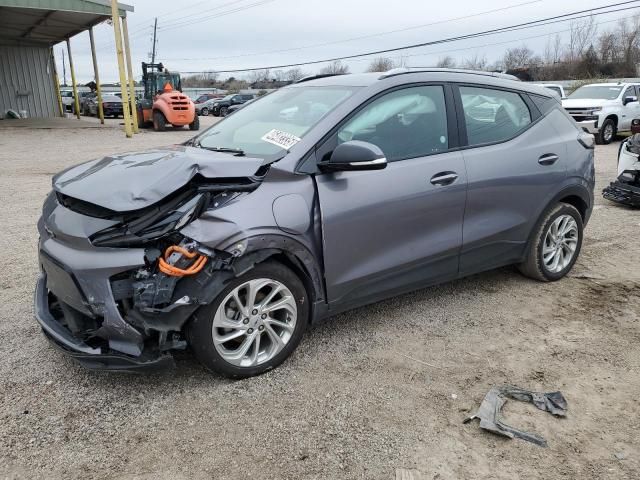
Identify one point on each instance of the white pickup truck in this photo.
(604, 109)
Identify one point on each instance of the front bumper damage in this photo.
(626, 189)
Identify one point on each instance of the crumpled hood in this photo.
(132, 181)
(583, 102)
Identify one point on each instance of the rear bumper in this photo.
(87, 356)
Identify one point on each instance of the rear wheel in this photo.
(555, 246)
(254, 325)
(195, 125)
(204, 111)
(159, 121)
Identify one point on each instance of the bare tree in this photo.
(519, 57)
(380, 64)
(257, 76)
(475, 63)
(553, 50)
(446, 62)
(335, 68)
(581, 34)
(628, 39)
(279, 76)
(294, 74)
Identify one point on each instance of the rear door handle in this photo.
(444, 178)
(548, 159)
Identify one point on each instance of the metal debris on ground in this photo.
(491, 407)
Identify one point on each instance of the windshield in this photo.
(601, 92)
(285, 113)
(228, 97)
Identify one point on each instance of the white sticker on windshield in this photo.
(281, 139)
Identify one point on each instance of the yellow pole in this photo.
(56, 81)
(76, 100)
(96, 76)
(132, 89)
(115, 15)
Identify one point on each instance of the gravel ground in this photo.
(367, 392)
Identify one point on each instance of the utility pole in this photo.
(153, 52)
(64, 71)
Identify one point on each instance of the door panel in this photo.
(508, 185)
(392, 228)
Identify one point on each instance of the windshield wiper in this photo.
(236, 151)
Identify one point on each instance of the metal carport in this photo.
(28, 31)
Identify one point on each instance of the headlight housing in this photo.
(595, 110)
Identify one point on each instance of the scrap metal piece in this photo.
(494, 400)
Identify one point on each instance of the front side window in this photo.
(493, 115)
(290, 112)
(406, 123)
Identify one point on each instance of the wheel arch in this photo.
(611, 116)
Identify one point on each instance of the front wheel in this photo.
(204, 111)
(555, 246)
(607, 132)
(224, 111)
(253, 325)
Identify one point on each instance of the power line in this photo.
(520, 26)
(362, 37)
(217, 15)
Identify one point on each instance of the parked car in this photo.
(371, 185)
(221, 107)
(67, 100)
(235, 108)
(206, 96)
(626, 188)
(554, 87)
(604, 109)
(204, 108)
(111, 105)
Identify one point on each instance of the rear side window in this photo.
(406, 123)
(544, 104)
(493, 115)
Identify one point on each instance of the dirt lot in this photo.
(350, 403)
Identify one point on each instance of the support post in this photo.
(132, 89)
(96, 76)
(56, 81)
(115, 16)
(76, 99)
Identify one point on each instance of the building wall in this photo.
(26, 81)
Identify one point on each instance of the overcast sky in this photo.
(197, 35)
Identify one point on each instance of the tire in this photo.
(204, 112)
(159, 122)
(607, 132)
(216, 354)
(195, 125)
(539, 263)
(223, 111)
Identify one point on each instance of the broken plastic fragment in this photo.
(491, 406)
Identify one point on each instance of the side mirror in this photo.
(355, 155)
(629, 100)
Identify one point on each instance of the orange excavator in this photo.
(163, 102)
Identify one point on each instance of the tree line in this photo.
(584, 53)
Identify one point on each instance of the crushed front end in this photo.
(117, 287)
(626, 189)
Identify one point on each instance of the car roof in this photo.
(414, 75)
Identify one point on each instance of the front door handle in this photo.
(444, 178)
(548, 159)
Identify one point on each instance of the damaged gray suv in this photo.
(328, 194)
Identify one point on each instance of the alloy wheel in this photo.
(254, 322)
(560, 243)
(608, 132)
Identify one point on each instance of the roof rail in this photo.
(405, 70)
(315, 77)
